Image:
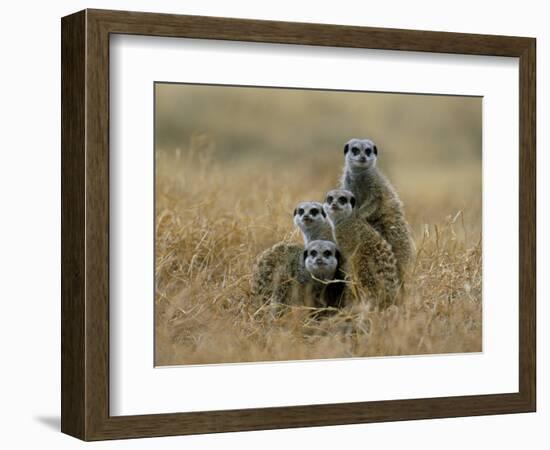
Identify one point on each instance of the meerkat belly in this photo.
(398, 235)
(369, 262)
(390, 222)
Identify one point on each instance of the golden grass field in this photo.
(226, 189)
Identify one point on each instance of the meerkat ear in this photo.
(295, 211)
(338, 255)
(346, 148)
(375, 150)
(305, 255)
(352, 201)
(323, 211)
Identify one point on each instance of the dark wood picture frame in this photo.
(85, 224)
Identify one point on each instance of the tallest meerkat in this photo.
(377, 200)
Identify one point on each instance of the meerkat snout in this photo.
(360, 154)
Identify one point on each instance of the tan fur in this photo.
(324, 234)
(383, 209)
(275, 273)
(368, 260)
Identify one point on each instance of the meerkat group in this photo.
(292, 274)
(356, 241)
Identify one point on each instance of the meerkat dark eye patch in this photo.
(329, 199)
(375, 150)
(314, 212)
(342, 200)
(313, 253)
(352, 201)
(301, 211)
(327, 253)
(368, 151)
(355, 151)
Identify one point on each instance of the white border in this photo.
(138, 388)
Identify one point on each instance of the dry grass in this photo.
(213, 221)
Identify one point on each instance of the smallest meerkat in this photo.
(368, 258)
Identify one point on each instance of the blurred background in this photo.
(430, 145)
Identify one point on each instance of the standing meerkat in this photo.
(367, 256)
(377, 201)
(278, 266)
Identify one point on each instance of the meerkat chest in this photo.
(362, 187)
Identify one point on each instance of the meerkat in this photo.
(377, 201)
(312, 220)
(277, 267)
(294, 275)
(367, 256)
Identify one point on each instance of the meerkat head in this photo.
(339, 204)
(360, 154)
(310, 217)
(321, 259)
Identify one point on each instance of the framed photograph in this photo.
(273, 225)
